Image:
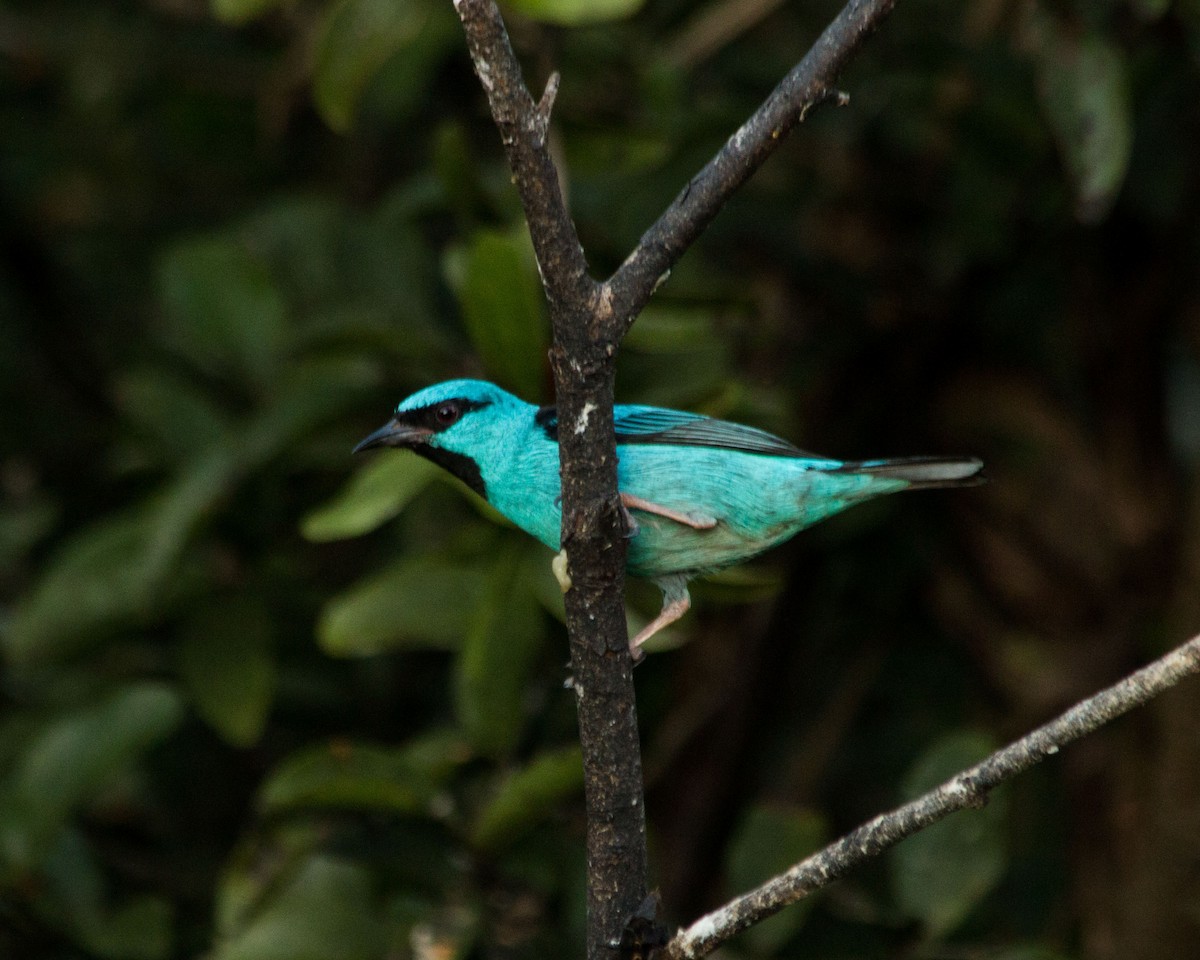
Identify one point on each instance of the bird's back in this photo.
(750, 489)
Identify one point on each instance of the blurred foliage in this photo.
(260, 700)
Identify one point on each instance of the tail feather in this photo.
(922, 472)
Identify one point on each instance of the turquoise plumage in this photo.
(702, 494)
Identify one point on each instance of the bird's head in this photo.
(459, 425)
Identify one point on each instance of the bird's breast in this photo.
(527, 490)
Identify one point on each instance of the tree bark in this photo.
(583, 359)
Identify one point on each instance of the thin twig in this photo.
(809, 83)
(522, 124)
(968, 789)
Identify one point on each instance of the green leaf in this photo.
(667, 330)
(1084, 90)
(1031, 952)
(569, 13)
(99, 580)
(457, 172)
(227, 665)
(398, 92)
(184, 506)
(308, 394)
(259, 867)
(611, 152)
(502, 643)
(768, 841)
(1151, 10)
(537, 576)
(325, 911)
(242, 11)
(375, 494)
(124, 568)
(23, 524)
(748, 583)
(359, 37)
(419, 604)
(363, 777)
(223, 310)
(138, 930)
(352, 276)
(71, 895)
(939, 875)
(172, 412)
(496, 282)
(68, 762)
(527, 796)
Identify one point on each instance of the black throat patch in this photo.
(463, 467)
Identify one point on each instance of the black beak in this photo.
(394, 434)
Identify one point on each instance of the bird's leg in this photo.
(676, 603)
(697, 521)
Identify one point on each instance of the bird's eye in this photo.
(447, 413)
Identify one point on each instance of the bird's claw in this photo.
(631, 525)
(559, 567)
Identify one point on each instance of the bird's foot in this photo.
(671, 611)
(559, 566)
(631, 525)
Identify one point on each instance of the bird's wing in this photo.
(658, 425)
(636, 424)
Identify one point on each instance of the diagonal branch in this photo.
(968, 789)
(809, 84)
(583, 358)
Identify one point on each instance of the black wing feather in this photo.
(658, 425)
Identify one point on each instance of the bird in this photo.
(699, 494)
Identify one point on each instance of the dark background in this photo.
(260, 700)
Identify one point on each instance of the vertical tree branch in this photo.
(583, 360)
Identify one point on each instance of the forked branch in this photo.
(588, 320)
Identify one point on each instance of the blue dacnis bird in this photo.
(702, 494)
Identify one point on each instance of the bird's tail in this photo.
(921, 472)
